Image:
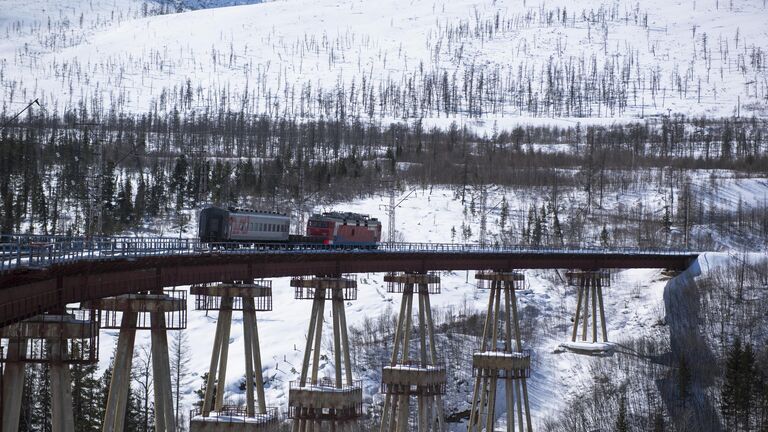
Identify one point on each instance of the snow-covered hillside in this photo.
(393, 59)
(182, 5)
(486, 64)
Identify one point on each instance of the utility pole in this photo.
(483, 214)
(5, 125)
(391, 208)
(687, 198)
(301, 198)
(29, 105)
(199, 157)
(391, 215)
(297, 203)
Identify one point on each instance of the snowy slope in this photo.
(205, 4)
(260, 58)
(686, 56)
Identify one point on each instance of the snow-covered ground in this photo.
(634, 308)
(687, 56)
(699, 57)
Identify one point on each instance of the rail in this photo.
(38, 251)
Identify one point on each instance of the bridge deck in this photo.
(38, 276)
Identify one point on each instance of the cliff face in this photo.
(707, 306)
(684, 318)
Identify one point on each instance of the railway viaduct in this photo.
(127, 277)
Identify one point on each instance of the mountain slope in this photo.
(493, 60)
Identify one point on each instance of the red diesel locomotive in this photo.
(344, 228)
(218, 225)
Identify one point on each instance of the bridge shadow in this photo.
(696, 411)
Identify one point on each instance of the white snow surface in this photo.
(589, 347)
(633, 303)
(703, 56)
(134, 63)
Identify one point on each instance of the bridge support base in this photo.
(235, 421)
(227, 298)
(425, 377)
(510, 364)
(45, 339)
(590, 287)
(62, 417)
(13, 386)
(141, 311)
(335, 404)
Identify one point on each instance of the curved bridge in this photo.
(38, 274)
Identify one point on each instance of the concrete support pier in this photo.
(328, 404)
(423, 377)
(155, 312)
(590, 284)
(501, 358)
(214, 415)
(45, 339)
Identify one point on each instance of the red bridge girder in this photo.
(27, 292)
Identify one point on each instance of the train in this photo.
(233, 225)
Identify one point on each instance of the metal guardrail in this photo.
(235, 414)
(36, 251)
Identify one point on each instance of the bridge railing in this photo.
(37, 251)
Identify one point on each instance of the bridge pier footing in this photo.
(226, 298)
(157, 313)
(46, 339)
(62, 416)
(589, 303)
(424, 377)
(13, 385)
(326, 404)
(509, 364)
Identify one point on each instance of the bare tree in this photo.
(179, 371)
(141, 375)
